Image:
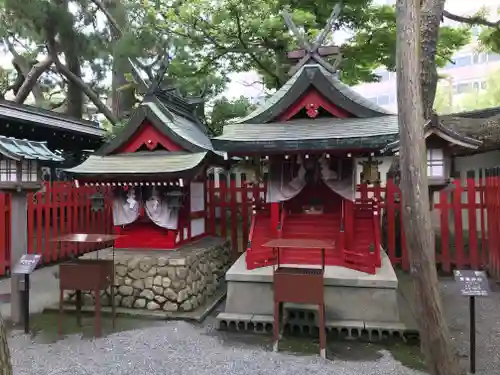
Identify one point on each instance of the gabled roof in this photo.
(14, 112)
(316, 76)
(179, 126)
(139, 164)
(19, 149)
(309, 134)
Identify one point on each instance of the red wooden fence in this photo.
(475, 202)
(59, 208)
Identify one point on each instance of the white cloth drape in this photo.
(163, 212)
(125, 209)
(343, 187)
(281, 188)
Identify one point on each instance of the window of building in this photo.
(493, 56)
(484, 85)
(463, 61)
(462, 88)
(435, 162)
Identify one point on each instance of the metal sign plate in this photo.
(26, 264)
(472, 283)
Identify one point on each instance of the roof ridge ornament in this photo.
(315, 51)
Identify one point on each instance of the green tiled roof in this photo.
(310, 134)
(320, 128)
(18, 149)
(139, 163)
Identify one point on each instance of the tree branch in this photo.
(474, 20)
(26, 71)
(31, 79)
(63, 69)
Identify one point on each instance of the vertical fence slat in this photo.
(4, 228)
(444, 214)
(233, 206)
(472, 219)
(458, 226)
(390, 209)
(482, 204)
(244, 212)
(223, 204)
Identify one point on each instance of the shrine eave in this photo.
(13, 112)
(179, 129)
(19, 149)
(437, 128)
(138, 165)
(314, 134)
(313, 76)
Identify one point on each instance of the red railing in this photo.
(58, 208)
(462, 218)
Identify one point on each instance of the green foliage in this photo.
(225, 110)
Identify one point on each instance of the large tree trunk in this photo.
(434, 331)
(431, 14)
(5, 362)
(122, 92)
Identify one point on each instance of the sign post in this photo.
(25, 266)
(472, 284)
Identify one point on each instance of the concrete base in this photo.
(350, 296)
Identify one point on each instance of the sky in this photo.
(246, 83)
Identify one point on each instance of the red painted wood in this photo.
(444, 211)
(245, 211)
(150, 137)
(223, 204)
(4, 233)
(482, 212)
(390, 207)
(233, 205)
(472, 219)
(349, 224)
(457, 215)
(31, 222)
(45, 227)
(275, 216)
(313, 100)
(404, 251)
(211, 201)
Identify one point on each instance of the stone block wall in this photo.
(178, 280)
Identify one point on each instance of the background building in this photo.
(469, 71)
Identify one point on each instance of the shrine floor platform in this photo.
(352, 298)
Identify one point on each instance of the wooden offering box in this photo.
(87, 274)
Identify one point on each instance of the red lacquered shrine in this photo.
(157, 166)
(309, 138)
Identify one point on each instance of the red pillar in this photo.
(275, 216)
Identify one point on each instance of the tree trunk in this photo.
(5, 362)
(122, 93)
(431, 14)
(434, 332)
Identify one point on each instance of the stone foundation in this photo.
(170, 280)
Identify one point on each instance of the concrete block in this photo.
(345, 324)
(234, 317)
(262, 319)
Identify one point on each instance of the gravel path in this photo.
(176, 348)
(487, 327)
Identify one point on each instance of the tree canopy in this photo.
(74, 56)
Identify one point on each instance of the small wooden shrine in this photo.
(157, 167)
(317, 139)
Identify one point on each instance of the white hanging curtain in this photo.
(282, 188)
(344, 187)
(162, 211)
(125, 208)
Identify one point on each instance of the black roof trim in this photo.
(11, 111)
(262, 147)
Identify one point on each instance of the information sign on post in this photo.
(472, 284)
(25, 266)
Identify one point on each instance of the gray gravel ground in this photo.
(175, 348)
(487, 327)
(181, 348)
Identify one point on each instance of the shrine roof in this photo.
(309, 134)
(313, 75)
(19, 149)
(175, 124)
(14, 112)
(446, 128)
(139, 163)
